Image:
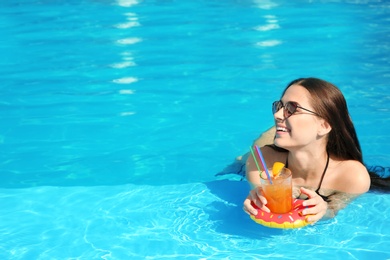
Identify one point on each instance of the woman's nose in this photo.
(279, 115)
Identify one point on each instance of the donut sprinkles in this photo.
(289, 220)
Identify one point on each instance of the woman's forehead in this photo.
(296, 93)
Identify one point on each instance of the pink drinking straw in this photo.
(263, 163)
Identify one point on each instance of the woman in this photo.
(316, 139)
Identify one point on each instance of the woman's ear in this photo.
(324, 128)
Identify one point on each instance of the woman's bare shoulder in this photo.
(352, 177)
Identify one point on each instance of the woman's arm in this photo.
(266, 137)
(321, 209)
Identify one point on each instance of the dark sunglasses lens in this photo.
(276, 106)
(290, 108)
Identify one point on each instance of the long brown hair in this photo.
(328, 101)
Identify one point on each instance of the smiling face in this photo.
(302, 128)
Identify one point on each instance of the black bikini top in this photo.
(325, 198)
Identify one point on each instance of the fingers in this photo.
(309, 193)
(248, 208)
(317, 207)
(257, 199)
(316, 212)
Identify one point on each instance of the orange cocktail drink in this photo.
(279, 193)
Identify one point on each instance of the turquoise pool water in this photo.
(117, 116)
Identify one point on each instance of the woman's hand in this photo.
(257, 198)
(319, 206)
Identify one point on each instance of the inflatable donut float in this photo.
(292, 219)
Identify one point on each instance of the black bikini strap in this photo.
(286, 164)
(323, 174)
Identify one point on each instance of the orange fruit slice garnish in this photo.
(277, 168)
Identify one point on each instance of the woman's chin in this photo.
(279, 143)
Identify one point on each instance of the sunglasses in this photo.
(289, 108)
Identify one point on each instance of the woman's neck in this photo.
(307, 164)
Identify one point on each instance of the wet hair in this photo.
(329, 103)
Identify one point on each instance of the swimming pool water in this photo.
(117, 115)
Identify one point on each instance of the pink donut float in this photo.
(289, 220)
